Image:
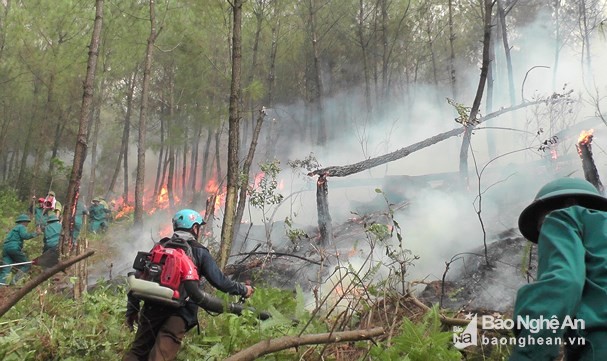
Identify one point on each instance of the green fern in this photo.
(419, 342)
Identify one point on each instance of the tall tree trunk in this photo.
(7, 6)
(171, 174)
(321, 138)
(94, 138)
(363, 48)
(271, 136)
(171, 177)
(471, 122)
(502, 21)
(384, 44)
(158, 183)
(184, 164)
(194, 162)
(452, 69)
(227, 230)
(197, 199)
(491, 149)
(557, 41)
(586, 57)
(246, 168)
(73, 189)
(147, 70)
(21, 183)
(124, 145)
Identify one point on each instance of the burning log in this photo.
(322, 205)
(584, 149)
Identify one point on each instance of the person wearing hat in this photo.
(12, 251)
(98, 216)
(52, 231)
(568, 222)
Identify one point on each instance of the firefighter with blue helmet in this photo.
(160, 328)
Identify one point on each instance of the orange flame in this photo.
(585, 137)
(212, 187)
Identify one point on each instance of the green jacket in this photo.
(98, 212)
(52, 231)
(571, 285)
(14, 239)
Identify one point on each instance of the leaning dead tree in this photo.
(322, 191)
(269, 346)
(34, 282)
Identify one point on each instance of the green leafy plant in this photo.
(419, 342)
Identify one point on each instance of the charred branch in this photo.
(584, 148)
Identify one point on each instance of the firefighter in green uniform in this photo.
(568, 221)
(12, 251)
(81, 212)
(52, 231)
(98, 214)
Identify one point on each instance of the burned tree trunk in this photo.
(322, 205)
(584, 149)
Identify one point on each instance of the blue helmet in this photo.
(186, 219)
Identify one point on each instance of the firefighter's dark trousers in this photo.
(158, 338)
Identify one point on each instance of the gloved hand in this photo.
(131, 319)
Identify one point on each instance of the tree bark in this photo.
(318, 95)
(227, 230)
(502, 21)
(73, 190)
(94, 138)
(124, 145)
(452, 53)
(471, 123)
(158, 183)
(12, 300)
(246, 168)
(269, 346)
(140, 180)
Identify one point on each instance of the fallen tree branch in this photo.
(277, 254)
(34, 282)
(444, 319)
(269, 346)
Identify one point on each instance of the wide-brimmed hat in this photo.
(22, 218)
(51, 193)
(551, 197)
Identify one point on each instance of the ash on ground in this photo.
(472, 284)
